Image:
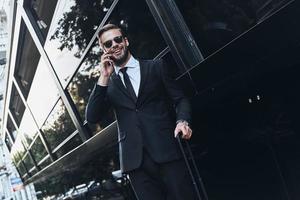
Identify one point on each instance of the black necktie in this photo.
(128, 84)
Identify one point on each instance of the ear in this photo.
(126, 41)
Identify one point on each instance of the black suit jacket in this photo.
(147, 123)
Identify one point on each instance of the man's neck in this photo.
(126, 61)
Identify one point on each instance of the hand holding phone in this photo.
(105, 68)
(106, 64)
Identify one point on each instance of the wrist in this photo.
(103, 80)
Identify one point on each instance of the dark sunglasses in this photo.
(109, 43)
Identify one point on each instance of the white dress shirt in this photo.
(134, 73)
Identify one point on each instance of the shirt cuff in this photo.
(183, 121)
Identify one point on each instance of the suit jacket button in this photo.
(136, 110)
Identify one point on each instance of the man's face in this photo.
(114, 43)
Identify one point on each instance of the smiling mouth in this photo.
(117, 51)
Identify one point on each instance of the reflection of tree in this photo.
(38, 150)
(58, 125)
(28, 162)
(21, 169)
(77, 26)
(98, 169)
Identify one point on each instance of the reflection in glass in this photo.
(16, 105)
(145, 40)
(28, 162)
(58, 125)
(18, 150)
(42, 12)
(43, 93)
(21, 169)
(97, 173)
(27, 60)
(71, 144)
(38, 150)
(214, 23)
(45, 163)
(73, 25)
(7, 142)
(11, 128)
(27, 128)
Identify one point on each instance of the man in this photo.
(140, 93)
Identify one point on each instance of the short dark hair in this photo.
(108, 27)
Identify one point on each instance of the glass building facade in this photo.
(237, 61)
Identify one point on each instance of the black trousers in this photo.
(162, 181)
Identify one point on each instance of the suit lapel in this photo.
(144, 69)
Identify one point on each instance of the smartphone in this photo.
(110, 57)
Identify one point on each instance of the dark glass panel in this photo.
(28, 128)
(27, 60)
(22, 169)
(16, 105)
(28, 162)
(145, 39)
(95, 176)
(58, 125)
(71, 144)
(38, 150)
(45, 163)
(72, 28)
(83, 83)
(11, 128)
(33, 171)
(43, 93)
(42, 11)
(8, 142)
(214, 23)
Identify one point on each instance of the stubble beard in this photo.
(123, 58)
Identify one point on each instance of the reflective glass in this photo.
(7, 142)
(28, 162)
(42, 11)
(45, 163)
(16, 105)
(43, 93)
(214, 23)
(145, 39)
(58, 125)
(17, 150)
(21, 169)
(72, 27)
(27, 60)
(38, 150)
(71, 144)
(11, 128)
(28, 128)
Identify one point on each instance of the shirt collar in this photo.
(132, 63)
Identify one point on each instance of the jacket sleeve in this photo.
(175, 92)
(98, 104)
